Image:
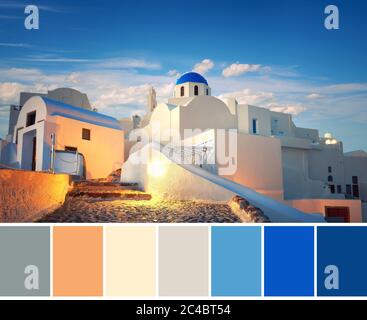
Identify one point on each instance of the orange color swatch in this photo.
(78, 261)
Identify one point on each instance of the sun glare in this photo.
(156, 169)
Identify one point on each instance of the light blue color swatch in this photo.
(236, 261)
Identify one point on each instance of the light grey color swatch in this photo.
(24, 261)
(183, 261)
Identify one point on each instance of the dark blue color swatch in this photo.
(289, 261)
(236, 261)
(346, 249)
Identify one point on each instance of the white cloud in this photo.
(14, 45)
(74, 77)
(61, 59)
(123, 95)
(126, 63)
(21, 74)
(109, 63)
(173, 73)
(288, 108)
(165, 91)
(117, 93)
(9, 92)
(265, 100)
(203, 66)
(344, 88)
(247, 96)
(314, 96)
(237, 69)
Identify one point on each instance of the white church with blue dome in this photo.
(273, 157)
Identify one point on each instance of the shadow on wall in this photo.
(8, 154)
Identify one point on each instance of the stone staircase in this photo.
(107, 190)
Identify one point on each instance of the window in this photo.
(254, 126)
(182, 91)
(355, 191)
(332, 188)
(339, 188)
(337, 214)
(196, 90)
(71, 149)
(330, 178)
(355, 180)
(85, 134)
(329, 169)
(31, 118)
(348, 189)
(207, 92)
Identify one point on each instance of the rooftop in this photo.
(191, 77)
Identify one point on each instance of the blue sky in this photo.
(275, 54)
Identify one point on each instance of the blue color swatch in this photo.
(341, 261)
(289, 261)
(236, 261)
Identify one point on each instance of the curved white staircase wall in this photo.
(186, 181)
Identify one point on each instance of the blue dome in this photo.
(191, 77)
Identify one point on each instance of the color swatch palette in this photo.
(163, 261)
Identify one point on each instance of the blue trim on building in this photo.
(69, 116)
(81, 114)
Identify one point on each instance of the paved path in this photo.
(89, 209)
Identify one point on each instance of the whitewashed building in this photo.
(51, 135)
(273, 157)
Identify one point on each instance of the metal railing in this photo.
(200, 156)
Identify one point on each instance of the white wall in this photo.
(161, 116)
(246, 113)
(25, 147)
(204, 113)
(320, 160)
(357, 166)
(297, 182)
(190, 91)
(174, 183)
(306, 133)
(259, 164)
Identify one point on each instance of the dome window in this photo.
(182, 91)
(196, 90)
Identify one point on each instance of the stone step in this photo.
(120, 194)
(105, 188)
(90, 184)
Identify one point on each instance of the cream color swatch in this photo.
(130, 261)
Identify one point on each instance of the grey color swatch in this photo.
(24, 261)
(183, 261)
